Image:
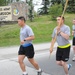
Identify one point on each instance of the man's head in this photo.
(60, 19)
(74, 21)
(21, 21)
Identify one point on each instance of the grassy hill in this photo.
(42, 27)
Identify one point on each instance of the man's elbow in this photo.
(67, 38)
(33, 37)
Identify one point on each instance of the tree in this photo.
(6, 2)
(58, 2)
(2, 2)
(44, 9)
(55, 10)
(29, 2)
(71, 6)
(46, 4)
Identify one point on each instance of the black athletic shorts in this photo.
(73, 42)
(62, 54)
(27, 51)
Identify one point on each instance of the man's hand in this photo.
(51, 50)
(58, 29)
(22, 42)
(73, 33)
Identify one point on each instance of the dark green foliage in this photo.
(44, 9)
(30, 15)
(71, 6)
(55, 10)
(2, 2)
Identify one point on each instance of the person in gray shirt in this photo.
(26, 48)
(63, 49)
(73, 34)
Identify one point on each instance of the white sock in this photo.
(39, 70)
(24, 72)
(68, 65)
(66, 74)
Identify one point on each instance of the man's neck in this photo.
(23, 25)
(62, 24)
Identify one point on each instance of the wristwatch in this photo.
(24, 40)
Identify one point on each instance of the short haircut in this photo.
(22, 18)
(62, 17)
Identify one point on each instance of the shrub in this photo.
(55, 10)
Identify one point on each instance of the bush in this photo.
(55, 10)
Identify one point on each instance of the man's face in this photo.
(20, 22)
(74, 22)
(59, 19)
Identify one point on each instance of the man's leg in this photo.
(21, 63)
(74, 53)
(59, 63)
(34, 63)
(74, 49)
(65, 66)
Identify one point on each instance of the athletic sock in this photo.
(24, 72)
(39, 70)
(66, 74)
(68, 65)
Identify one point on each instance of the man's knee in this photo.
(31, 60)
(59, 63)
(20, 58)
(20, 61)
(63, 63)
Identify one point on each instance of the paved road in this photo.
(48, 63)
(10, 66)
(45, 61)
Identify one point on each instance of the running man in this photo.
(26, 48)
(73, 34)
(63, 49)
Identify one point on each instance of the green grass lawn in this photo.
(42, 27)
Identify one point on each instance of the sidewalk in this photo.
(37, 47)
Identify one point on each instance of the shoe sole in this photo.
(73, 60)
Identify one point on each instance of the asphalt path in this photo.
(47, 62)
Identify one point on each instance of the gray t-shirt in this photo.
(25, 32)
(61, 40)
(73, 28)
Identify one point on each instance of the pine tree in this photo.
(46, 4)
(44, 9)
